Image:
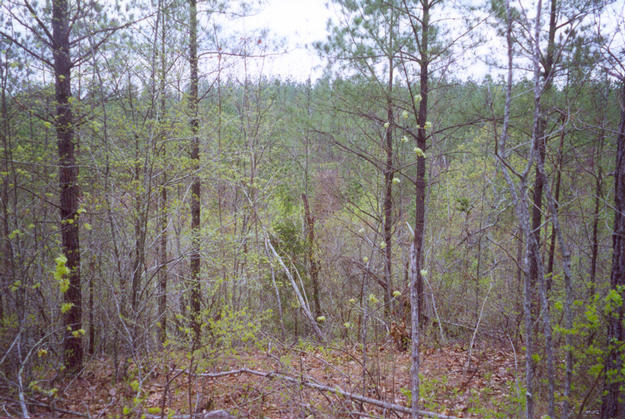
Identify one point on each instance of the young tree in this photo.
(368, 41)
(425, 53)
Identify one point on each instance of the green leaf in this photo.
(65, 307)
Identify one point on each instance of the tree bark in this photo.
(416, 257)
(537, 273)
(162, 213)
(522, 211)
(388, 196)
(552, 244)
(140, 215)
(540, 149)
(91, 347)
(68, 183)
(8, 262)
(421, 143)
(595, 221)
(613, 405)
(312, 260)
(195, 166)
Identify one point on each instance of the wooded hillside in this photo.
(183, 232)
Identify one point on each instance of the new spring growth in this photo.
(396, 180)
(373, 299)
(321, 319)
(61, 272)
(382, 245)
(396, 293)
(387, 124)
(424, 272)
(78, 333)
(417, 98)
(419, 152)
(352, 301)
(404, 114)
(65, 307)
(404, 139)
(347, 325)
(365, 259)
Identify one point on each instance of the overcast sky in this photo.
(299, 23)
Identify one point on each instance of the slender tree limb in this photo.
(26, 49)
(42, 25)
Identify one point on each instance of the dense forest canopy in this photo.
(172, 214)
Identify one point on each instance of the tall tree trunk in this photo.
(540, 150)
(535, 247)
(68, 183)
(552, 244)
(312, 258)
(91, 347)
(522, 211)
(388, 193)
(195, 166)
(613, 403)
(421, 143)
(519, 271)
(416, 256)
(162, 213)
(414, 333)
(162, 253)
(568, 313)
(595, 221)
(137, 265)
(537, 274)
(8, 262)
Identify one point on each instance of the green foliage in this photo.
(290, 239)
(233, 328)
(65, 307)
(613, 301)
(480, 404)
(61, 273)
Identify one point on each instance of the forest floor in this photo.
(487, 388)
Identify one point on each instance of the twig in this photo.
(214, 414)
(11, 347)
(516, 368)
(20, 386)
(477, 326)
(34, 402)
(590, 391)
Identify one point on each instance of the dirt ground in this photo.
(450, 385)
